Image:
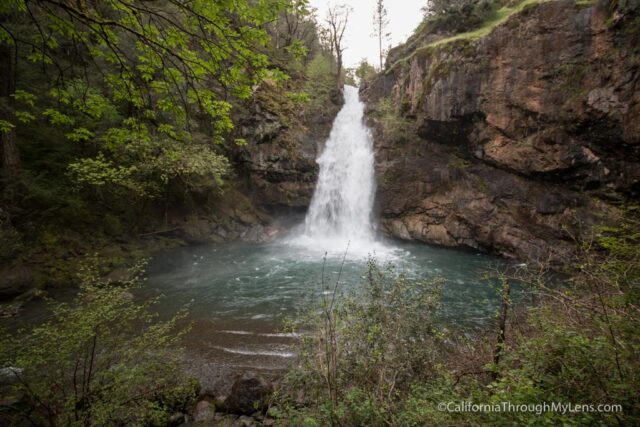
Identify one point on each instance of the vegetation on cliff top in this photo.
(466, 23)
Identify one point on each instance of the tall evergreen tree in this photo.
(380, 23)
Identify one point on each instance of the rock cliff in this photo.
(278, 165)
(514, 141)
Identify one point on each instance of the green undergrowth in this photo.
(103, 359)
(381, 357)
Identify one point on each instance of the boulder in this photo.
(14, 281)
(119, 275)
(225, 420)
(245, 421)
(196, 231)
(13, 307)
(9, 375)
(177, 419)
(204, 412)
(253, 234)
(249, 393)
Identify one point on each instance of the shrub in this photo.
(444, 16)
(362, 355)
(321, 82)
(582, 344)
(101, 359)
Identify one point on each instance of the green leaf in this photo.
(6, 127)
(57, 118)
(79, 135)
(24, 116)
(25, 97)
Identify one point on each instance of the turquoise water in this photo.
(238, 294)
(265, 283)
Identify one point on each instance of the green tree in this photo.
(321, 81)
(169, 65)
(365, 71)
(350, 77)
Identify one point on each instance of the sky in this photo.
(403, 15)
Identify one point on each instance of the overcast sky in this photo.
(403, 15)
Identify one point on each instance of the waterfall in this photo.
(340, 210)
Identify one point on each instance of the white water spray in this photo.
(341, 207)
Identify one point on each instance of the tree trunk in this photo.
(339, 77)
(380, 42)
(504, 309)
(8, 143)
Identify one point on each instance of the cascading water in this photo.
(340, 211)
(341, 205)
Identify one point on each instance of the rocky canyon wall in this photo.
(516, 141)
(278, 166)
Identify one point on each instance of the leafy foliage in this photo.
(143, 90)
(321, 81)
(148, 162)
(365, 71)
(102, 359)
(163, 54)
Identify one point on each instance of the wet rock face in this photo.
(516, 137)
(278, 175)
(278, 164)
